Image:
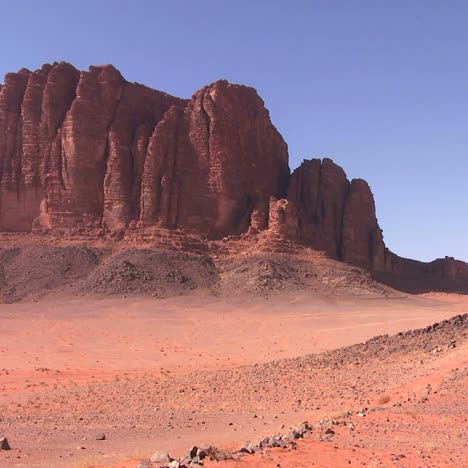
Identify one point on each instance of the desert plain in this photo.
(169, 373)
(170, 286)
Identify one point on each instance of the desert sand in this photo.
(167, 280)
(164, 374)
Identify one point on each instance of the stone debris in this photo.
(195, 457)
(161, 458)
(4, 445)
(145, 464)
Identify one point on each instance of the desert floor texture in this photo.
(166, 374)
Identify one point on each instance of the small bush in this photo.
(383, 399)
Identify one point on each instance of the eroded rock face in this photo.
(361, 239)
(89, 149)
(13, 210)
(442, 274)
(212, 164)
(72, 146)
(283, 218)
(319, 189)
(335, 215)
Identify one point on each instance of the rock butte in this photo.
(90, 150)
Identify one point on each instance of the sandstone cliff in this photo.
(212, 163)
(72, 146)
(89, 149)
(336, 215)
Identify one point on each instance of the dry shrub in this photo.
(383, 400)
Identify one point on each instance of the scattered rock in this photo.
(161, 457)
(4, 445)
(303, 428)
(201, 453)
(101, 436)
(145, 464)
(248, 450)
(192, 453)
(292, 435)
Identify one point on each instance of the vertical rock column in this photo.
(80, 162)
(319, 189)
(362, 240)
(159, 201)
(11, 150)
(138, 112)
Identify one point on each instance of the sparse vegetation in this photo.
(384, 399)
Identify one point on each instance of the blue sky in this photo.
(379, 86)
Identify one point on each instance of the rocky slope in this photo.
(90, 150)
(404, 393)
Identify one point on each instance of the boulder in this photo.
(161, 457)
(4, 445)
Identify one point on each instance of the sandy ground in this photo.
(82, 340)
(72, 369)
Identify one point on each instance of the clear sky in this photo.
(379, 86)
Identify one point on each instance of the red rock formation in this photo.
(336, 216)
(283, 218)
(210, 166)
(160, 184)
(361, 239)
(12, 213)
(443, 274)
(71, 144)
(59, 93)
(135, 117)
(319, 189)
(90, 149)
